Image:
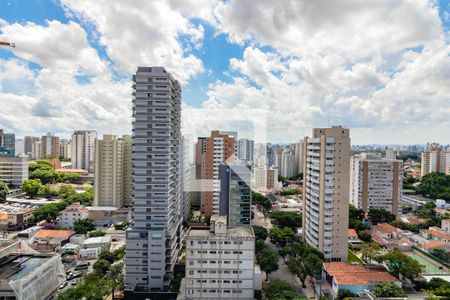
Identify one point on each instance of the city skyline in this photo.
(386, 79)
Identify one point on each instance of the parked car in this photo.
(62, 285)
(74, 282)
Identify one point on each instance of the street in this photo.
(283, 272)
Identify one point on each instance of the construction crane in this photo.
(7, 44)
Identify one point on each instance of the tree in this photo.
(259, 245)
(48, 212)
(355, 213)
(379, 215)
(31, 187)
(344, 293)
(44, 175)
(441, 254)
(69, 177)
(288, 192)
(281, 236)
(436, 185)
(101, 266)
(48, 192)
(96, 233)
(260, 232)
(386, 289)
(85, 198)
(399, 263)
(280, 290)
(287, 219)
(106, 255)
(268, 261)
(66, 191)
(119, 253)
(365, 236)
(83, 226)
(39, 165)
(426, 211)
(262, 202)
(4, 190)
(310, 265)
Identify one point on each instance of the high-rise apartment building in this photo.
(65, 148)
(196, 195)
(235, 194)
(36, 150)
(113, 170)
(220, 262)
(265, 178)
(153, 242)
(83, 150)
(13, 170)
(435, 159)
(298, 159)
(376, 183)
(185, 171)
(220, 148)
(287, 164)
(49, 146)
(245, 149)
(7, 144)
(390, 153)
(326, 191)
(20, 147)
(28, 143)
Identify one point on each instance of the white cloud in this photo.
(142, 33)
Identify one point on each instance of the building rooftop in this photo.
(16, 266)
(59, 234)
(352, 233)
(348, 274)
(435, 244)
(232, 232)
(102, 208)
(384, 228)
(97, 240)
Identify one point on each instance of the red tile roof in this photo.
(438, 234)
(352, 233)
(384, 228)
(434, 244)
(347, 274)
(60, 234)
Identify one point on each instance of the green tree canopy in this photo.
(96, 233)
(386, 289)
(48, 212)
(4, 190)
(261, 233)
(280, 290)
(268, 260)
(31, 187)
(379, 215)
(344, 293)
(101, 266)
(310, 265)
(435, 185)
(281, 236)
(287, 219)
(400, 263)
(83, 226)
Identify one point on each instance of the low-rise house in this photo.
(71, 214)
(436, 235)
(435, 245)
(108, 215)
(355, 278)
(386, 231)
(71, 249)
(353, 237)
(102, 242)
(90, 253)
(51, 240)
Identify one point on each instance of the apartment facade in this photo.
(220, 148)
(153, 242)
(14, 170)
(112, 184)
(28, 143)
(83, 150)
(49, 146)
(298, 159)
(65, 148)
(376, 183)
(435, 159)
(326, 191)
(36, 150)
(186, 173)
(71, 214)
(287, 164)
(235, 194)
(265, 178)
(220, 262)
(245, 149)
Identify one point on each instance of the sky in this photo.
(274, 69)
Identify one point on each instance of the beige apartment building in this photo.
(376, 183)
(113, 171)
(435, 159)
(49, 146)
(326, 191)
